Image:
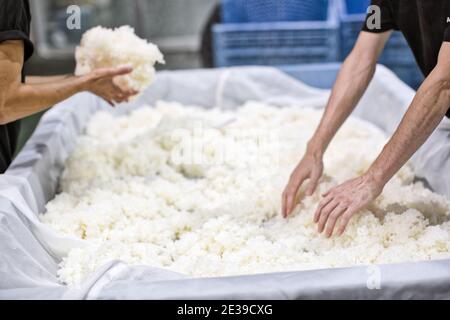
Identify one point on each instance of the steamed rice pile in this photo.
(199, 192)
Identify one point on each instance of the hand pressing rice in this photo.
(105, 48)
(217, 212)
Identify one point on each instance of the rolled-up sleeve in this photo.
(386, 17)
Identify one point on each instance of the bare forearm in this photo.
(18, 100)
(27, 99)
(425, 113)
(46, 79)
(356, 73)
(352, 81)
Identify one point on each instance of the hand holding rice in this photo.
(105, 48)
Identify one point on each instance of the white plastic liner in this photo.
(30, 251)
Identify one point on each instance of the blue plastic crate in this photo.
(356, 6)
(245, 11)
(397, 54)
(410, 74)
(319, 75)
(352, 15)
(323, 75)
(278, 43)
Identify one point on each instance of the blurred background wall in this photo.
(174, 25)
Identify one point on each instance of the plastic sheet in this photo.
(30, 251)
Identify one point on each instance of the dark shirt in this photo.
(15, 18)
(424, 23)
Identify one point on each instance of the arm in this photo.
(18, 100)
(353, 79)
(45, 79)
(428, 108)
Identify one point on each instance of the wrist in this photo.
(83, 83)
(315, 149)
(376, 177)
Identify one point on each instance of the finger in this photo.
(110, 102)
(120, 71)
(113, 72)
(329, 192)
(290, 201)
(313, 181)
(344, 220)
(283, 204)
(322, 204)
(331, 223)
(129, 95)
(117, 89)
(119, 98)
(131, 92)
(123, 88)
(286, 195)
(126, 93)
(325, 213)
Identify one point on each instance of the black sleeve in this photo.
(447, 28)
(15, 23)
(387, 20)
(445, 9)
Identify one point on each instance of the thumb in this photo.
(113, 72)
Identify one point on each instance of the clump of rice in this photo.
(103, 48)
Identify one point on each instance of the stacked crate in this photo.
(267, 32)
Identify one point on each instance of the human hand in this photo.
(343, 201)
(103, 82)
(310, 167)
